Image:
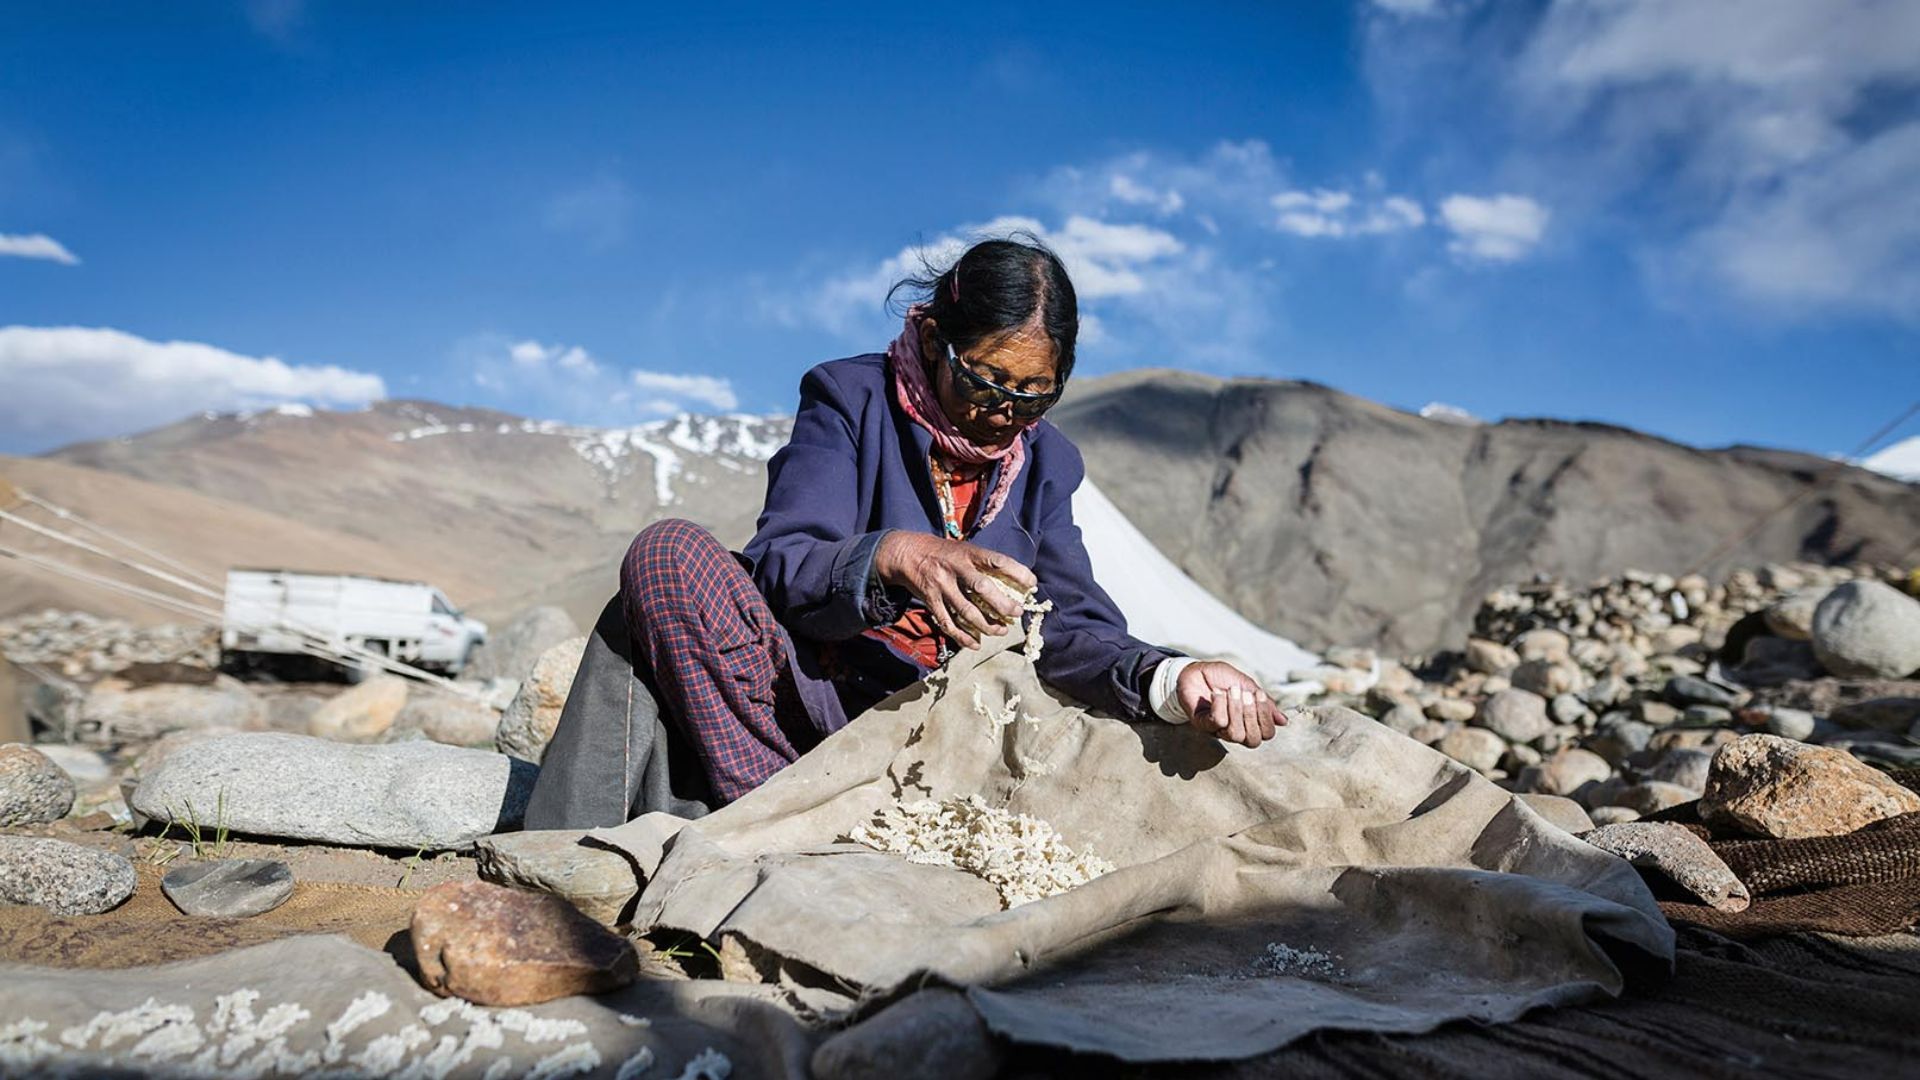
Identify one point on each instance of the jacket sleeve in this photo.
(814, 569)
(1086, 649)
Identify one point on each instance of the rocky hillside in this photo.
(208, 533)
(1332, 519)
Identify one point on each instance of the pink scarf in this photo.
(915, 394)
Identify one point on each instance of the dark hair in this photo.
(1001, 285)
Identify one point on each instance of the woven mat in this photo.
(147, 929)
(1863, 883)
(1803, 1005)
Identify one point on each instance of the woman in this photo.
(912, 479)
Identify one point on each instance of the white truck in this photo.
(283, 612)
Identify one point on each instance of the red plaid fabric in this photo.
(718, 661)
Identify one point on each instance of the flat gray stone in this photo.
(401, 795)
(229, 888)
(64, 878)
(598, 881)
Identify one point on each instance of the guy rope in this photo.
(138, 566)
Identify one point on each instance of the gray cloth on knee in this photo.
(613, 756)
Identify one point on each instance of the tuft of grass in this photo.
(159, 851)
(197, 834)
(412, 863)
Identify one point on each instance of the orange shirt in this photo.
(914, 633)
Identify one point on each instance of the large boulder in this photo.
(407, 795)
(64, 878)
(1769, 786)
(113, 712)
(512, 652)
(527, 725)
(33, 790)
(1867, 629)
(362, 712)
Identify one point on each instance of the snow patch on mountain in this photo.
(732, 441)
(1900, 461)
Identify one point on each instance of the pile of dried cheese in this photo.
(1023, 857)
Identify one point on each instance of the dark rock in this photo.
(1706, 716)
(1879, 714)
(229, 888)
(1684, 690)
(1618, 736)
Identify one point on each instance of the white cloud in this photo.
(571, 358)
(36, 246)
(1104, 259)
(1500, 228)
(1323, 212)
(66, 383)
(705, 389)
(1409, 7)
(568, 382)
(1759, 150)
(1230, 181)
(597, 212)
(1131, 191)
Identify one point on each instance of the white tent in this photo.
(1165, 606)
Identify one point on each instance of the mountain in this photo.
(502, 509)
(1328, 518)
(1315, 515)
(206, 534)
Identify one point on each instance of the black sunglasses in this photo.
(991, 395)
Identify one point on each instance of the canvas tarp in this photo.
(1434, 894)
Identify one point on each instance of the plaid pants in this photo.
(718, 661)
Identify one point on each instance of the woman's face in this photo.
(1022, 360)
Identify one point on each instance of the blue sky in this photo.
(1700, 220)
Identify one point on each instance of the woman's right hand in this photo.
(951, 578)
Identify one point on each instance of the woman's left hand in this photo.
(1227, 703)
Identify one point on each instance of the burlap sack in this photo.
(1431, 894)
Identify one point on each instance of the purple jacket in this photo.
(857, 468)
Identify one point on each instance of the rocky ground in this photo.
(1618, 693)
(1774, 698)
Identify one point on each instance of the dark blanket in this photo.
(613, 757)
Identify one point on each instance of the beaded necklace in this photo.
(943, 487)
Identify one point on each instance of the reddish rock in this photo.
(500, 946)
(1769, 786)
